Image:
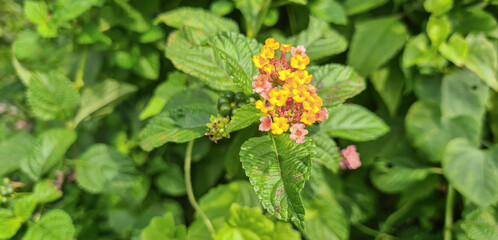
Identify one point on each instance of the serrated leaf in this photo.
(278, 168)
(164, 228)
(36, 11)
(327, 152)
(102, 168)
(46, 192)
(482, 58)
(375, 42)
(13, 150)
(354, 122)
(105, 94)
(358, 6)
(9, 224)
(55, 224)
(480, 223)
(52, 96)
(244, 117)
(336, 83)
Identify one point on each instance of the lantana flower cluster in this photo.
(289, 99)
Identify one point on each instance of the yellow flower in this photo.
(264, 106)
(308, 117)
(285, 47)
(279, 96)
(270, 42)
(259, 61)
(267, 52)
(299, 62)
(303, 77)
(300, 93)
(268, 68)
(313, 103)
(285, 74)
(279, 125)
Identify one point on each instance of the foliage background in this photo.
(84, 84)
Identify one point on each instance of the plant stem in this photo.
(448, 218)
(190, 193)
(393, 218)
(372, 232)
(78, 81)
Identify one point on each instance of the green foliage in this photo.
(164, 228)
(55, 224)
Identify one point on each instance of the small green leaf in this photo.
(70, 10)
(473, 172)
(353, 122)
(15, 149)
(438, 29)
(455, 49)
(327, 152)
(244, 117)
(164, 228)
(36, 11)
(416, 51)
(278, 168)
(329, 10)
(9, 224)
(46, 192)
(358, 6)
(438, 7)
(221, 7)
(482, 58)
(55, 224)
(91, 34)
(375, 42)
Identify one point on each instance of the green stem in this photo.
(393, 218)
(448, 218)
(190, 193)
(78, 81)
(372, 232)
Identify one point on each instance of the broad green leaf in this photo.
(147, 64)
(326, 220)
(52, 96)
(278, 168)
(463, 93)
(329, 10)
(482, 58)
(327, 152)
(237, 51)
(171, 180)
(36, 11)
(438, 29)
(164, 228)
(336, 83)
(319, 40)
(55, 224)
(438, 7)
(9, 223)
(134, 19)
(50, 149)
(102, 168)
(389, 82)
(102, 95)
(455, 49)
(375, 42)
(353, 122)
(416, 51)
(481, 223)
(24, 206)
(67, 10)
(429, 133)
(473, 172)
(358, 6)
(254, 12)
(244, 117)
(174, 84)
(13, 150)
(46, 192)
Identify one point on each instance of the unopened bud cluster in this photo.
(6, 190)
(217, 128)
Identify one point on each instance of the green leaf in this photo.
(326, 220)
(164, 228)
(52, 96)
(455, 49)
(46, 192)
(438, 29)
(482, 58)
(473, 20)
(319, 40)
(24, 206)
(327, 152)
(13, 150)
(354, 122)
(254, 12)
(102, 168)
(147, 64)
(236, 50)
(26, 45)
(438, 7)
(55, 224)
(278, 168)
(336, 83)
(36, 11)
(155, 33)
(233, 165)
(358, 6)
(171, 180)
(9, 223)
(244, 117)
(105, 94)
(67, 10)
(416, 51)
(473, 172)
(389, 82)
(480, 223)
(221, 7)
(134, 19)
(375, 42)
(91, 34)
(329, 10)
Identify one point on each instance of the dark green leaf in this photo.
(244, 117)
(359, 6)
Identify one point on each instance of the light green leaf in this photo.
(52, 96)
(171, 180)
(164, 228)
(438, 7)
(438, 29)
(36, 11)
(13, 150)
(336, 83)
(354, 122)
(105, 94)
(221, 7)
(329, 10)
(473, 172)
(67, 10)
(480, 223)
(389, 82)
(375, 42)
(155, 33)
(147, 64)
(24, 206)
(278, 168)
(102, 168)
(55, 224)
(482, 58)
(244, 117)
(50, 149)
(416, 51)
(46, 192)
(327, 152)
(9, 224)
(358, 6)
(26, 45)
(319, 40)
(455, 49)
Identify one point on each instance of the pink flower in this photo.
(322, 115)
(299, 50)
(298, 132)
(262, 84)
(265, 123)
(351, 158)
